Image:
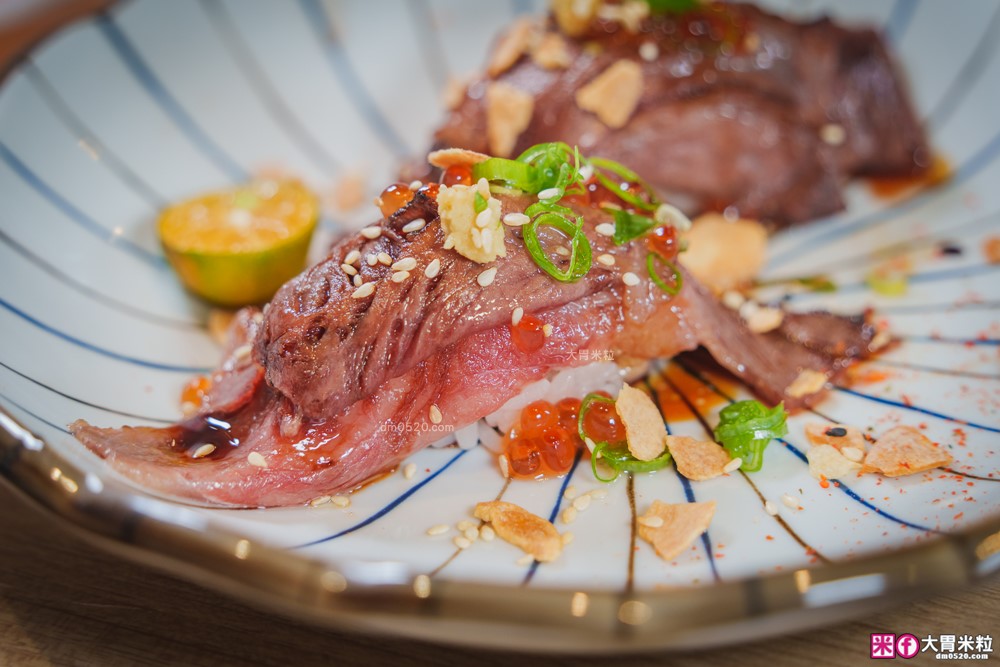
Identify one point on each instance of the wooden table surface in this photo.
(63, 602)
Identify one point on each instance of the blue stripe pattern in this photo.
(854, 496)
(900, 18)
(354, 88)
(916, 408)
(956, 273)
(31, 414)
(391, 506)
(75, 214)
(555, 511)
(969, 169)
(967, 342)
(156, 365)
(706, 541)
(158, 91)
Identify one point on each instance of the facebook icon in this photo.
(907, 646)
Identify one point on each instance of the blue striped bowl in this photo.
(119, 114)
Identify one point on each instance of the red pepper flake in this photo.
(824, 482)
(769, 538)
(958, 516)
(907, 401)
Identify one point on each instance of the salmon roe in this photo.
(393, 198)
(528, 335)
(457, 174)
(194, 391)
(663, 241)
(544, 440)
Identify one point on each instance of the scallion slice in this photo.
(513, 173)
(615, 455)
(746, 427)
(579, 255)
(629, 226)
(677, 278)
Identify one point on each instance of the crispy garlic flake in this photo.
(508, 113)
(697, 460)
(528, 532)
(614, 94)
(644, 427)
(724, 254)
(904, 450)
(457, 208)
(671, 528)
(827, 461)
(830, 434)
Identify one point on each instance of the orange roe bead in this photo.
(528, 335)
(457, 174)
(560, 448)
(602, 424)
(195, 390)
(569, 411)
(393, 198)
(523, 456)
(537, 418)
(430, 189)
(663, 241)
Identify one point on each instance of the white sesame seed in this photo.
(581, 503)
(384, 258)
(484, 218)
(833, 134)
(563, 251)
(188, 408)
(732, 299)
(852, 454)
(486, 278)
(255, 459)
(416, 185)
(487, 237)
(525, 560)
(405, 264)
(630, 279)
(364, 291)
(487, 533)
(649, 51)
(422, 586)
(606, 259)
(371, 232)
(433, 268)
(569, 514)
(483, 186)
(471, 533)
(733, 465)
(586, 172)
(462, 542)
(371, 259)
(599, 494)
(399, 276)
(671, 215)
(567, 538)
(319, 500)
(414, 226)
(504, 466)
(357, 280)
(515, 317)
(790, 501)
(570, 492)
(341, 501)
(439, 529)
(516, 219)
(770, 508)
(352, 257)
(348, 269)
(409, 470)
(435, 414)
(591, 445)
(605, 229)
(550, 193)
(464, 525)
(547, 330)
(449, 242)
(650, 521)
(242, 352)
(477, 237)
(203, 451)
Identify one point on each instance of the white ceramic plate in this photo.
(114, 117)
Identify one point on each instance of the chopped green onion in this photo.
(507, 172)
(478, 203)
(817, 283)
(615, 455)
(677, 278)
(629, 226)
(746, 427)
(628, 176)
(579, 256)
(887, 284)
(672, 6)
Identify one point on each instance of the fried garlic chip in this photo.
(904, 450)
(697, 460)
(672, 528)
(528, 532)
